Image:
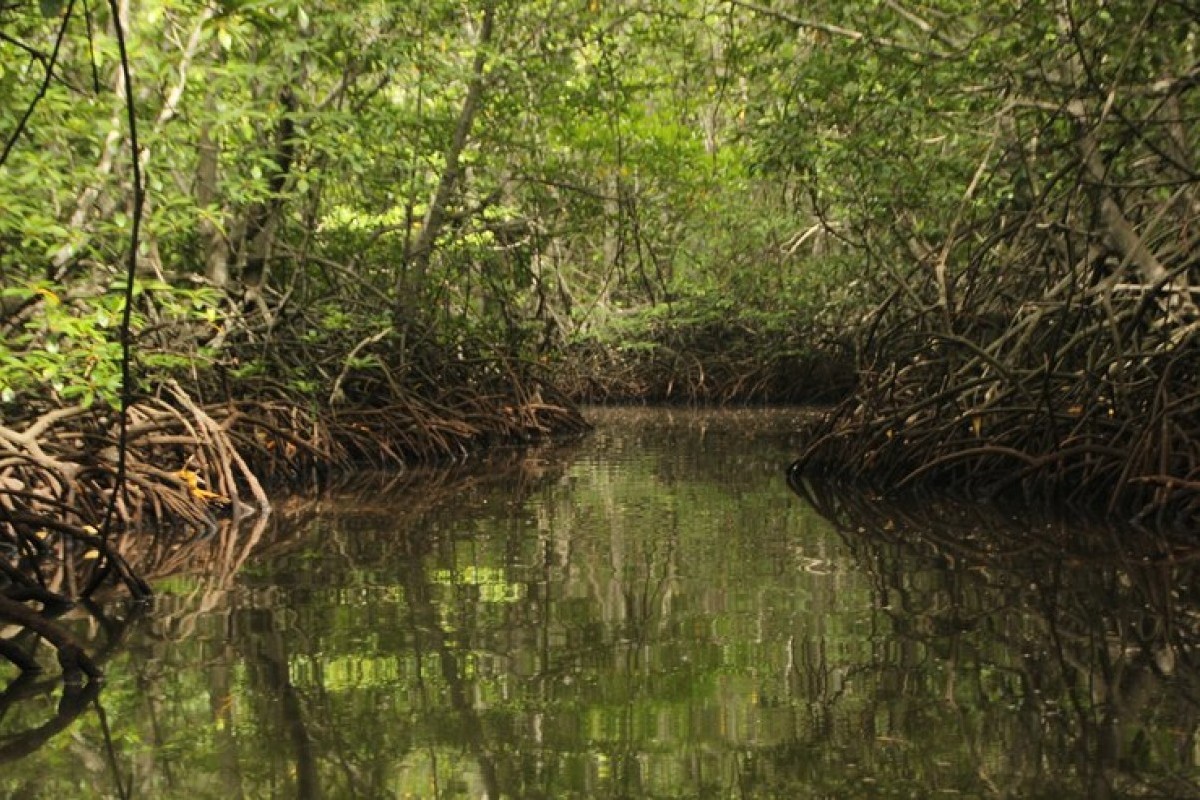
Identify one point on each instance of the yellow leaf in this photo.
(189, 477)
(192, 480)
(205, 494)
(91, 555)
(49, 296)
(977, 425)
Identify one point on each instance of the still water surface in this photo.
(646, 613)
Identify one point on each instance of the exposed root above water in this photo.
(63, 533)
(1059, 408)
(1069, 379)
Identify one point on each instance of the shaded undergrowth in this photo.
(1049, 346)
(708, 353)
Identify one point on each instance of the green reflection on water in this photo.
(647, 613)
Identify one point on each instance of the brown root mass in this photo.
(189, 464)
(1051, 348)
(1076, 399)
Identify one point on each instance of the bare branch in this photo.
(837, 30)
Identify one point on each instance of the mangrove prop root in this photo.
(192, 463)
(74, 661)
(1049, 343)
(1068, 379)
(1045, 411)
(57, 471)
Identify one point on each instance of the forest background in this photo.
(374, 232)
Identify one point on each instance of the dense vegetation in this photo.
(250, 241)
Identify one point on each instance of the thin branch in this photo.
(130, 276)
(335, 395)
(422, 250)
(837, 30)
(41, 92)
(34, 53)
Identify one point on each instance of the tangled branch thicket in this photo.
(190, 464)
(1061, 361)
(712, 360)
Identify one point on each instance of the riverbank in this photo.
(84, 502)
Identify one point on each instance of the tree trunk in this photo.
(418, 258)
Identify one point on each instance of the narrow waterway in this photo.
(648, 612)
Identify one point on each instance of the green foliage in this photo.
(594, 177)
(69, 355)
(68, 350)
(620, 158)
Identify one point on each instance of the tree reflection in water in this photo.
(648, 614)
(1079, 640)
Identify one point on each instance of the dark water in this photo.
(647, 613)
